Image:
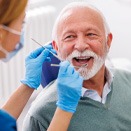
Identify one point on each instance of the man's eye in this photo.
(91, 34)
(69, 37)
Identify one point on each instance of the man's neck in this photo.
(97, 82)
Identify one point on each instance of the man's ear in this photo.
(109, 39)
(55, 46)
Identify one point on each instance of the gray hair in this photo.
(77, 5)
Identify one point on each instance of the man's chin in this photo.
(88, 73)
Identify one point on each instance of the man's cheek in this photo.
(63, 55)
(60, 55)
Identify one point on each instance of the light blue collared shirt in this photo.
(107, 88)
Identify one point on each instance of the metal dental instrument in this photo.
(57, 65)
(46, 49)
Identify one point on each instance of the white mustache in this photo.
(86, 53)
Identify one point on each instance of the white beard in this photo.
(84, 71)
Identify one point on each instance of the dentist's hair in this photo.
(10, 10)
(76, 5)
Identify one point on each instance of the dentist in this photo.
(12, 13)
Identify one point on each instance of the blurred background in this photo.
(40, 17)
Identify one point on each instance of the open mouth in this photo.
(79, 61)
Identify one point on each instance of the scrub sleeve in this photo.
(7, 122)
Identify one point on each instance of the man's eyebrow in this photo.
(91, 29)
(86, 30)
(68, 32)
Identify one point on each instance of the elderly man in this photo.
(81, 36)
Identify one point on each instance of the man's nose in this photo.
(81, 44)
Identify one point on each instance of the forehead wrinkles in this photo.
(74, 16)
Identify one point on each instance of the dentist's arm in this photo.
(60, 121)
(19, 98)
(69, 85)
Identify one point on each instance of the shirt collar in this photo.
(109, 78)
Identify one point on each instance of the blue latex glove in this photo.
(33, 64)
(69, 86)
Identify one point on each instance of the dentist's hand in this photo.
(33, 64)
(69, 86)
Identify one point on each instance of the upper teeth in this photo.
(82, 58)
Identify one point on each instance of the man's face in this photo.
(82, 40)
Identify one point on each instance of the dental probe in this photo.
(46, 49)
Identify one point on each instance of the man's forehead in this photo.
(79, 13)
(72, 17)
